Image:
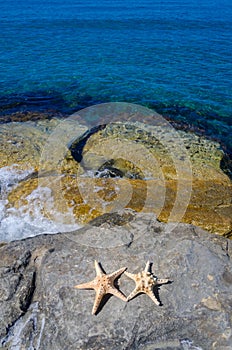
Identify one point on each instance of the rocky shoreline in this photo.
(127, 225)
(155, 178)
(41, 309)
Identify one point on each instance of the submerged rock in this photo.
(154, 146)
(209, 206)
(24, 143)
(176, 175)
(40, 308)
(125, 165)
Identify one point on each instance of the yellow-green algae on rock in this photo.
(23, 143)
(209, 205)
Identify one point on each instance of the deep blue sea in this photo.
(172, 55)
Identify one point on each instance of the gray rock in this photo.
(41, 309)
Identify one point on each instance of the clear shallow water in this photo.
(27, 220)
(69, 54)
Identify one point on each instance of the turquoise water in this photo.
(174, 56)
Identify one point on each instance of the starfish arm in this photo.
(88, 285)
(130, 275)
(99, 295)
(98, 268)
(162, 280)
(147, 266)
(117, 273)
(133, 293)
(117, 293)
(153, 297)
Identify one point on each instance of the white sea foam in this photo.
(11, 175)
(28, 220)
(188, 345)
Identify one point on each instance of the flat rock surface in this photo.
(41, 309)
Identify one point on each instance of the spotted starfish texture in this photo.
(145, 283)
(103, 284)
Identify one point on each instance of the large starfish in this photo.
(145, 283)
(103, 284)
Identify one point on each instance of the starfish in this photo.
(145, 282)
(103, 284)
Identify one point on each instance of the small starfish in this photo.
(145, 282)
(103, 284)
